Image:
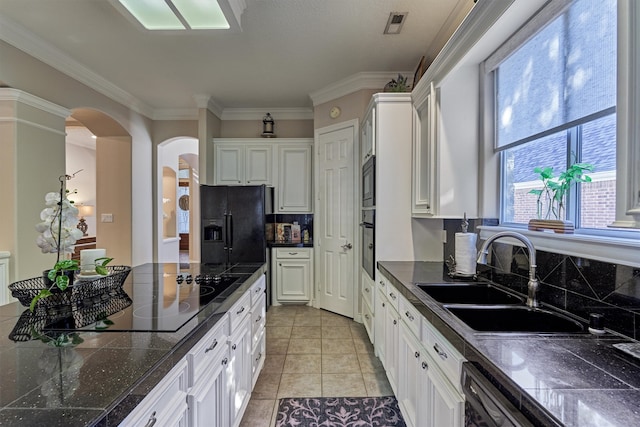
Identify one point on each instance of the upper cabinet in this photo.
(284, 163)
(243, 163)
(424, 137)
(368, 135)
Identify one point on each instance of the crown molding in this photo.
(258, 113)
(10, 94)
(21, 38)
(354, 83)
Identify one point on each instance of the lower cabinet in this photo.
(408, 395)
(293, 274)
(391, 341)
(445, 405)
(212, 384)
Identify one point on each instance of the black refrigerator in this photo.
(233, 223)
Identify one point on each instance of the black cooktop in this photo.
(154, 298)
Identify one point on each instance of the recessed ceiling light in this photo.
(177, 14)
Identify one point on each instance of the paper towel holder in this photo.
(451, 266)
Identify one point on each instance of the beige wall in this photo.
(352, 106)
(32, 149)
(253, 129)
(113, 191)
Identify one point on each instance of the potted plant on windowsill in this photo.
(551, 198)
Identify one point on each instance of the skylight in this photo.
(177, 14)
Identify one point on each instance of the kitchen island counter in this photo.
(99, 381)
(556, 380)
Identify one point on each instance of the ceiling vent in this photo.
(395, 22)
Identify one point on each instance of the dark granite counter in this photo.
(555, 380)
(98, 382)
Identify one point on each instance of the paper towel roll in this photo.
(466, 253)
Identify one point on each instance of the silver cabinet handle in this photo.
(152, 420)
(381, 283)
(233, 347)
(392, 295)
(383, 305)
(293, 253)
(395, 322)
(409, 316)
(366, 316)
(424, 365)
(258, 319)
(258, 290)
(441, 353)
(259, 356)
(417, 354)
(366, 289)
(214, 345)
(241, 310)
(225, 361)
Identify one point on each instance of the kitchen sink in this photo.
(469, 293)
(514, 319)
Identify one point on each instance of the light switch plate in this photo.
(106, 217)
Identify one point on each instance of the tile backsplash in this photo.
(577, 285)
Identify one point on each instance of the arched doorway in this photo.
(112, 199)
(179, 240)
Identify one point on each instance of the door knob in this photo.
(347, 246)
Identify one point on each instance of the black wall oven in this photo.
(368, 242)
(369, 183)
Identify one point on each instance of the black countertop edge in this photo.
(405, 274)
(290, 245)
(207, 319)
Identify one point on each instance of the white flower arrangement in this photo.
(58, 229)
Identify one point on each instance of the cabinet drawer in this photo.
(257, 290)
(165, 402)
(205, 351)
(392, 295)
(239, 311)
(368, 290)
(282, 253)
(448, 359)
(367, 319)
(410, 316)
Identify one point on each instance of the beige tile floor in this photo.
(313, 353)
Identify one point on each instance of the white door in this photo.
(335, 232)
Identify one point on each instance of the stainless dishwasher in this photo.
(485, 406)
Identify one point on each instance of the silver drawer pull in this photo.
(392, 295)
(293, 253)
(381, 283)
(225, 361)
(258, 319)
(441, 353)
(233, 347)
(409, 316)
(241, 310)
(259, 356)
(152, 420)
(258, 290)
(424, 365)
(395, 322)
(417, 354)
(214, 345)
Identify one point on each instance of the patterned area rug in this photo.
(339, 412)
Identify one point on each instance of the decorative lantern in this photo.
(267, 126)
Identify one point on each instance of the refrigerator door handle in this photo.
(230, 233)
(226, 231)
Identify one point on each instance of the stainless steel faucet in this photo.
(532, 285)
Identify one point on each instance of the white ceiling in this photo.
(287, 49)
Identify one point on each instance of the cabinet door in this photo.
(424, 157)
(409, 353)
(392, 328)
(368, 136)
(294, 178)
(293, 279)
(258, 165)
(229, 165)
(239, 371)
(446, 405)
(208, 399)
(380, 320)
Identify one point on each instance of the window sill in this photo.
(608, 249)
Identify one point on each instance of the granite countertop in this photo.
(556, 380)
(98, 382)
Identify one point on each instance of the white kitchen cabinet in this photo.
(258, 318)
(367, 136)
(294, 188)
(208, 399)
(293, 270)
(440, 404)
(379, 320)
(424, 134)
(409, 397)
(368, 306)
(166, 404)
(239, 368)
(243, 162)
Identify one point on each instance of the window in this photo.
(555, 104)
